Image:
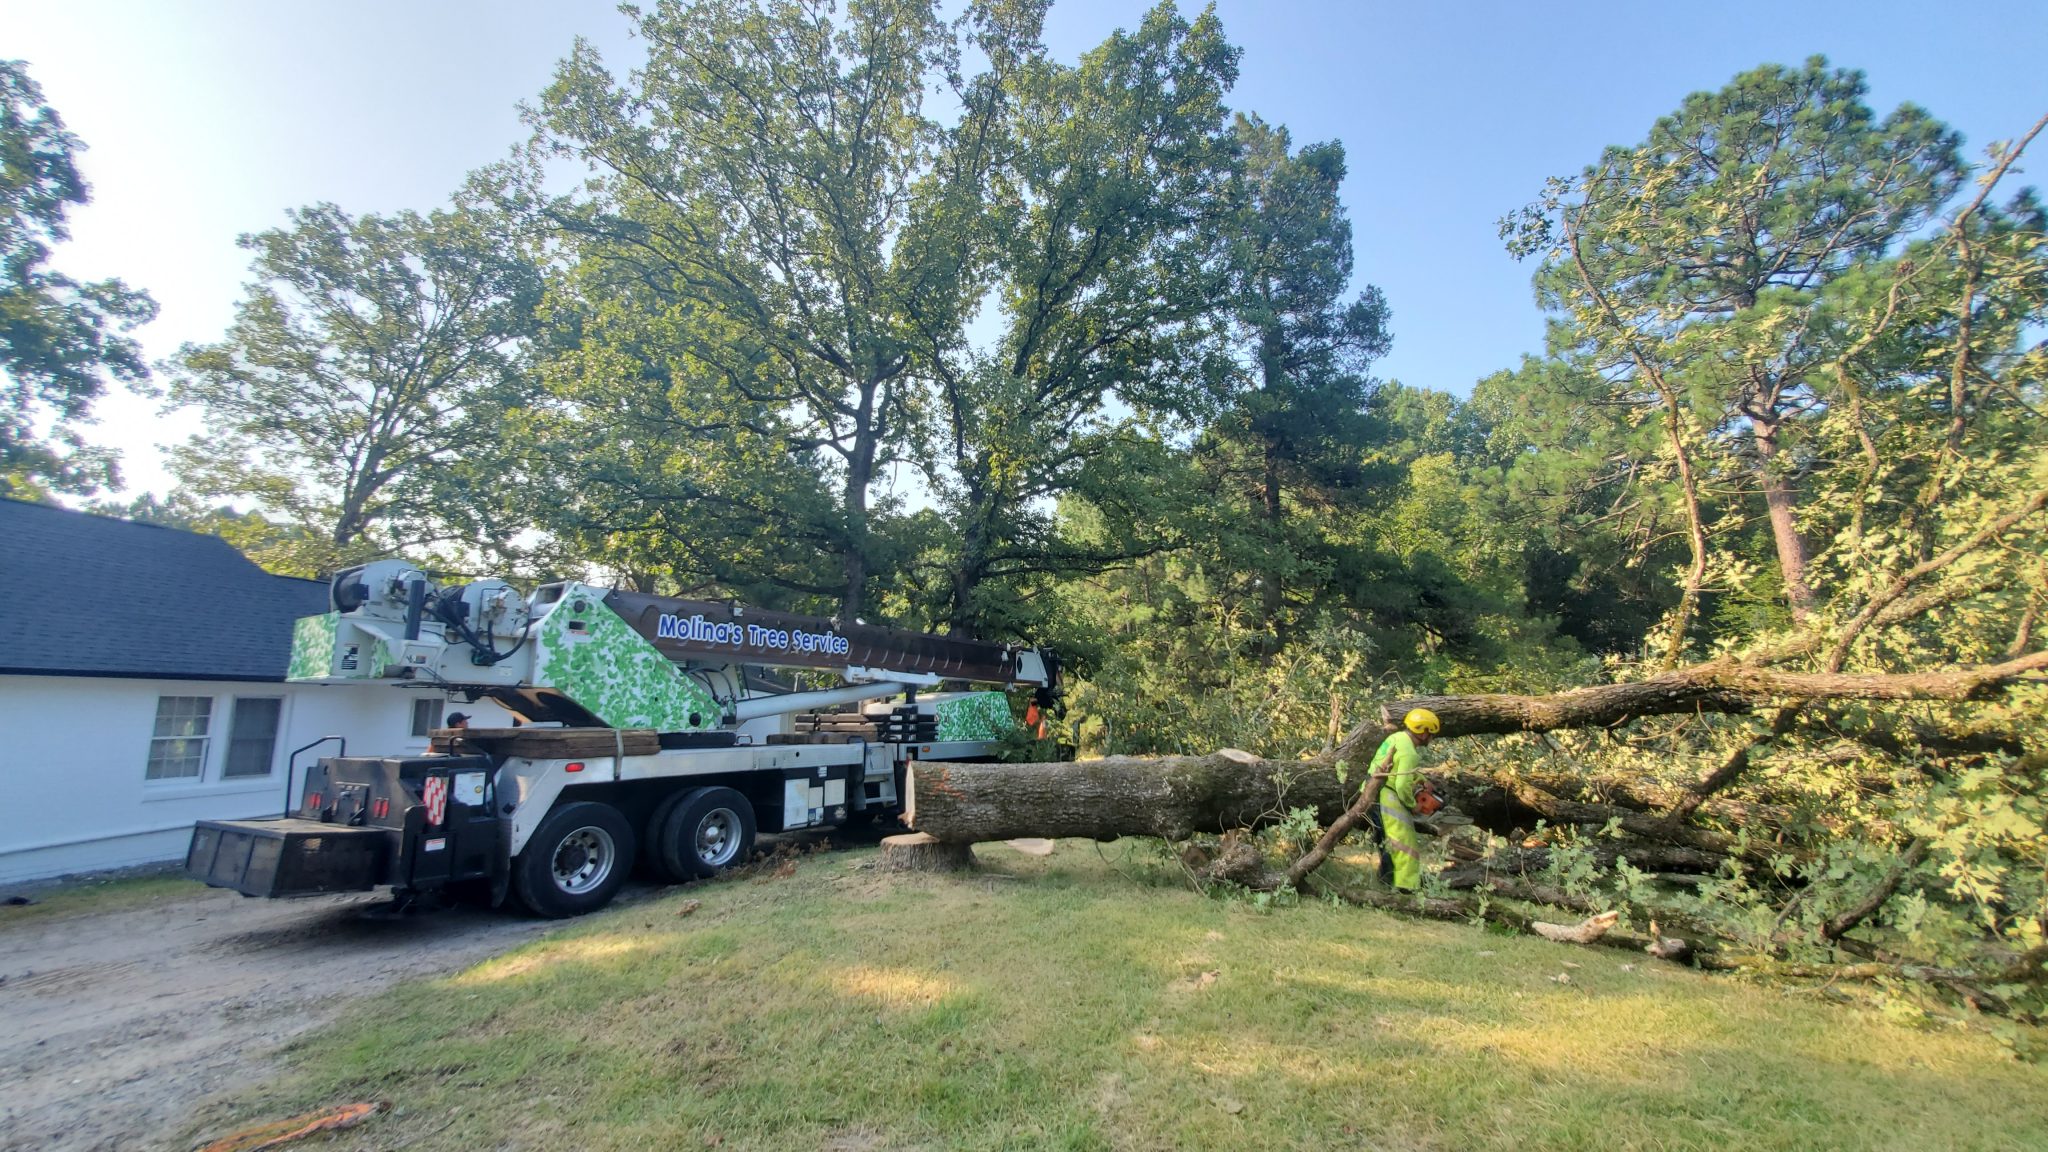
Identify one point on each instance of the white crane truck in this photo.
(649, 734)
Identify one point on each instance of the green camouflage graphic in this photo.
(320, 649)
(313, 647)
(381, 657)
(613, 671)
(974, 716)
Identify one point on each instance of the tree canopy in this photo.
(60, 340)
(362, 392)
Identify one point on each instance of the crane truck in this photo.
(652, 730)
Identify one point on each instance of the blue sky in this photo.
(209, 119)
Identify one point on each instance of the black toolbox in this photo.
(289, 857)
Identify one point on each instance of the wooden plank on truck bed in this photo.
(548, 743)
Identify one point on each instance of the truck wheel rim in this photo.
(718, 837)
(583, 859)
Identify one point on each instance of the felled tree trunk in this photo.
(1173, 797)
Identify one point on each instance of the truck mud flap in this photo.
(289, 857)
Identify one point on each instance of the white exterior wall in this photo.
(74, 749)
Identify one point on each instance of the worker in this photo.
(458, 720)
(1401, 850)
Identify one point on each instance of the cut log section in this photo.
(917, 852)
(1584, 932)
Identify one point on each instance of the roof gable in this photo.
(90, 595)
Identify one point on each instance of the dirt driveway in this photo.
(113, 1024)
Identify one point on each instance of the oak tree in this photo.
(361, 392)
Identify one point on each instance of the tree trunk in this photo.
(860, 472)
(351, 522)
(1173, 797)
(967, 570)
(1779, 500)
(1270, 591)
(960, 621)
(1695, 524)
(854, 567)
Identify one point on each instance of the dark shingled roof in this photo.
(88, 595)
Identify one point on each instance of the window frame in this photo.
(438, 712)
(204, 738)
(227, 754)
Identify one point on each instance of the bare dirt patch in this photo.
(119, 1022)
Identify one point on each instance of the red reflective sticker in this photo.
(434, 793)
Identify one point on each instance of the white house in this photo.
(142, 688)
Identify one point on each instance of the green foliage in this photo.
(60, 340)
(1589, 501)
(1414, 586)
(1682, 273)
(361, 394)
(1288, 449)
(812, 263)
(772, 182)
(1102, 274)
(638, 459)
(1793, 414)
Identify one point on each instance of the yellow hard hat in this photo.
(1422, 722)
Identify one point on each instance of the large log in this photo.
(1173, 797)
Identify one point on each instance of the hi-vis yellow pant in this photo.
(1403, 845)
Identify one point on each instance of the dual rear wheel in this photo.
(698, 833)
(580, 855)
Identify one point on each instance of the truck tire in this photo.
(708, 831)
(575, 861)
(653, 861)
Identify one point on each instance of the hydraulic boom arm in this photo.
(583, 655)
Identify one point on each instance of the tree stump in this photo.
(919, 852)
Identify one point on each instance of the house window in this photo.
(252, 735)
(177, 747)
(426, 716)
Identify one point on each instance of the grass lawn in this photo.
(1078, 1002)
(108, 893)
